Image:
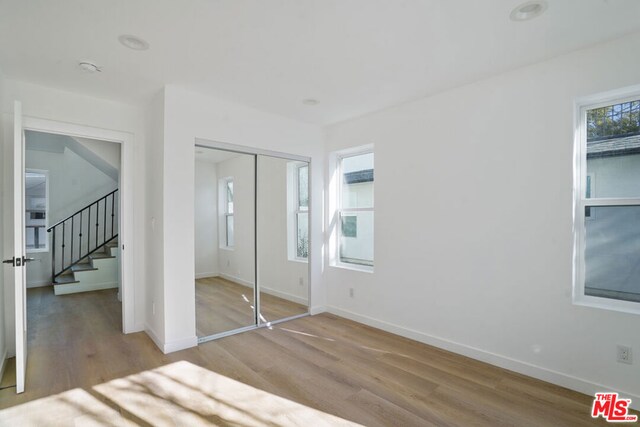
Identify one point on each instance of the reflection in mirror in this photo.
(224, 240)
(283, 237)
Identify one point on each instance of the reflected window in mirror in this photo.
(227, 236)
(298, 203)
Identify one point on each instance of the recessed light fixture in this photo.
(528, 10)
(89, 67)
(133, 42)
(310, 101)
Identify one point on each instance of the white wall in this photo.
(484, 265)
(189, 116)
(154, 220)
(47, 103)
(206, 219)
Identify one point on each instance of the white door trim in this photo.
(125, 236)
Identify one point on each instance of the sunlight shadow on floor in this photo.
(177, 394)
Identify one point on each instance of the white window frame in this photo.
(339, 210)
(224, 236)
(582, 105)
(293, 208)
(44, 235)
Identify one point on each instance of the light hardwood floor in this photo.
(323, 366)
(222, 305)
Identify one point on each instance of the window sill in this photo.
(353, 267)
(607, 304)
(300, 260)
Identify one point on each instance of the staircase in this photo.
(94, 272)
(85, 250)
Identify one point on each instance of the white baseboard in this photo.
(154, 337)
(171, 346)
(267, 290)
(237, 280)
(206, 275)
(568, 381)
(38, 284)
(283, 295)
(317, 310)
(180, 344)
(74, 288)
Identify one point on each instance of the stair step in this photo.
(100, 255)
(65, 279)
(83, 267)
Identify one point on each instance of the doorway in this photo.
(120, 144)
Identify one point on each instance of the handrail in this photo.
(73, 229)
(81, 210)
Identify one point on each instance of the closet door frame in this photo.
(240, 149)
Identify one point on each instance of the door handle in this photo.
(26, 260)
(11, 261)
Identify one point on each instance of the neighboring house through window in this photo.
(36, 210)
(607, 232)
(355, 230)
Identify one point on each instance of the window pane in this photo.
(302, 236)
(35, 214)
(230, 197)
(230, 237)
(303, 188)
(612, 253)
(357, 181)
(356, 238)
(613, 151)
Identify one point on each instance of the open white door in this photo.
(19, 250)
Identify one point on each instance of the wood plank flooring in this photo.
(222, 305)
(322, 366)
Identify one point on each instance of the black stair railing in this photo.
(75, 233)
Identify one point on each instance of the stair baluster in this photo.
(76, 249)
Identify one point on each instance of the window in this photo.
(36, 210)
(302, 212)
(608, 204)
(298, 207)
(228, 213)
(355, 210)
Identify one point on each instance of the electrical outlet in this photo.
(153, 308)
(228, 263)
(351, 292)
(301, 281)
(624, 354)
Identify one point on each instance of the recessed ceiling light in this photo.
(528, 10)
(133, 42)
(89, 67)
(310, 101)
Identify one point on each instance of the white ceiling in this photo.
(354, 56)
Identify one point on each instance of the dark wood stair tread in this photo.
(65, 280)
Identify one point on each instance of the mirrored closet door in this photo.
(251, 240)
(224, 241)
(283, 237)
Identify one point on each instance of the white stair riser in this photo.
(105, 277)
